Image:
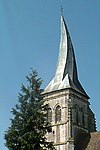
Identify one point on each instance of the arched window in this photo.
(83, 120)
(57, 134)
(82, 117)
(76, 118)
(49, 115)
(57, 114)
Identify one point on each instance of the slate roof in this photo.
(66, 72)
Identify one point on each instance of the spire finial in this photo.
(61, 8)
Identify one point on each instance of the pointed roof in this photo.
(66, 71)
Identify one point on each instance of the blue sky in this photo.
(29, 38)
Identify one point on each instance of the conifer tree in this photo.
(29, 124)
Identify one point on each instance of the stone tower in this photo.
(68, 111)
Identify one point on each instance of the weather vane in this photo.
(61, 10)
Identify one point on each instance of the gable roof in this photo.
(94, 143)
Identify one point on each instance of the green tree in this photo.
(29, 124)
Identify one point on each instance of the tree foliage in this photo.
(29, 124)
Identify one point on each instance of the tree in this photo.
(29, 124)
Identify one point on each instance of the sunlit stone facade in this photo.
(69, 111)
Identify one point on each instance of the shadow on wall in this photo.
(82, 141)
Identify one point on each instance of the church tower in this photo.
(68, 112)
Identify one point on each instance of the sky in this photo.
(29, 38)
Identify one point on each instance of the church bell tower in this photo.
(68, 101)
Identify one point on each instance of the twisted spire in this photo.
(66, 71)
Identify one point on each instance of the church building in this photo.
(69, 113)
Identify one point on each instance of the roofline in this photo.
(86, 96)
